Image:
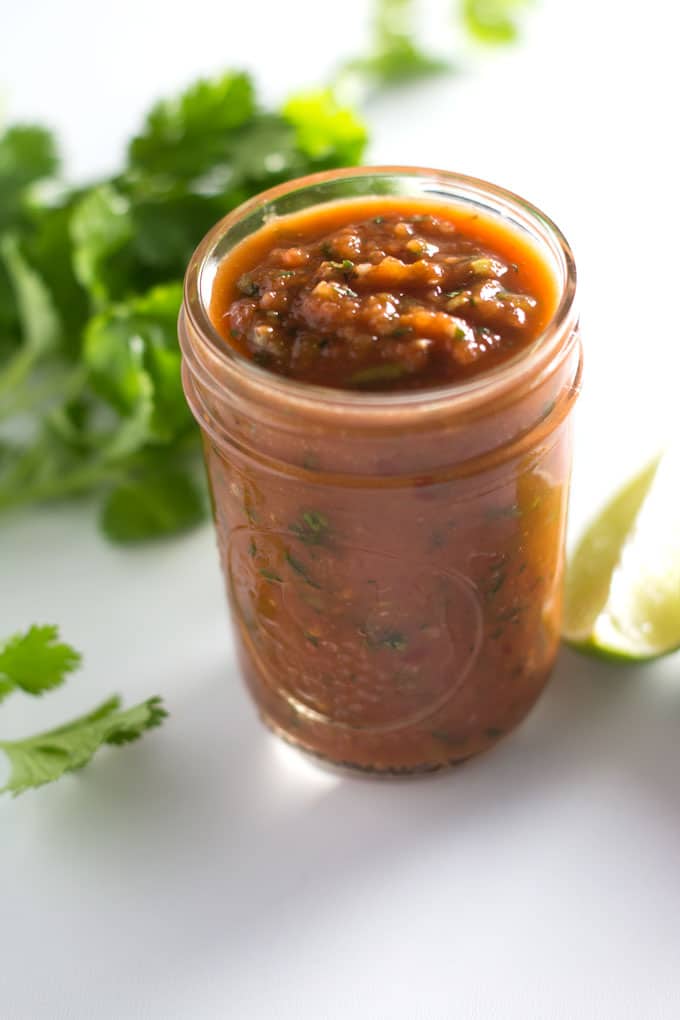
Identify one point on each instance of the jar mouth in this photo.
(405, 181)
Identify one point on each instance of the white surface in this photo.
(209, 872)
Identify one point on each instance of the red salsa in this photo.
(393, 566)
(382, 294)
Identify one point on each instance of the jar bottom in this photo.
(356, 769)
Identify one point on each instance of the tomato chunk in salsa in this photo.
(382, 294)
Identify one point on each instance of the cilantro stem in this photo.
(13, 494)
(16, 371)
(25, 399)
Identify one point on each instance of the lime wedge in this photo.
(622, 591)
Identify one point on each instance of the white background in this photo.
(209, 872)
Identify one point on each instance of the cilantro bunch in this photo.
(90, 289)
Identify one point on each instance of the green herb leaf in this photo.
(386, 638)
(494, 22)
(185, 136)
(38, 318)
(27, 154)
(101, 227)
(48, 249)
(246, 285)
(38, 332)
(270, 575)
(60, 462)
(312, 528)
(36, 661)
(326, 131)
(152, 507)
(132, 353)
(300, 568)
(395, 56)
(378, 374)
(47, 756)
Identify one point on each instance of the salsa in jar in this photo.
(382, 294)
(383, 363)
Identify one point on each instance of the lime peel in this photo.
(622, 592)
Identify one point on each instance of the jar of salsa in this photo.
(383, 362)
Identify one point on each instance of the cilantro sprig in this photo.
(90, 288)
(36, 662)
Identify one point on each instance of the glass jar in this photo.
(393, 561)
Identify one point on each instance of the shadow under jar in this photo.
(393, 560)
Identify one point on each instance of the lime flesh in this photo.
(622, 591)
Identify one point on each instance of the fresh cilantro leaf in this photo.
(264, 153)
(394, 56)
(47, 756)
(114, 355)
(492, 21)
(46, 470)
(37, 320)
(185, 136)
(35, 661)
(398, 62)
(38, 317)
(101, 227)
(47, 245)
(10, 338)
(27, 154)
(129, 436)
(132, 353)
(166, 225)
(67, 458)
(325, 129)
(153, 507)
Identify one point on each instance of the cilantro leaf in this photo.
(264, 153)
(45, 757)
(48, 248)
(9, 318)
(101, 226)
(27, 154)
(394, 56)
(325, 129)
(38, 317)
(37, 320)
(493, 22)
(66, 459)
(185, 136)
(399, 60)
(132, 353)
(167, 222)
(35, 661)
(152, 507)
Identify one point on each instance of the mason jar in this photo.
(393, 561)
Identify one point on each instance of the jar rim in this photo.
(478, 389)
